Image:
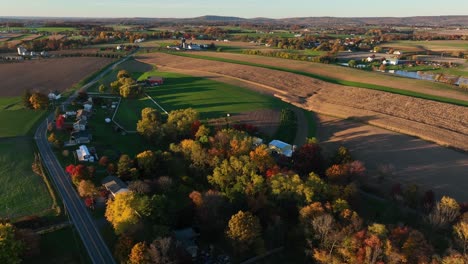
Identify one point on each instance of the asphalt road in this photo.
(74, 206)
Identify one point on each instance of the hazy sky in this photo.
(241, 8)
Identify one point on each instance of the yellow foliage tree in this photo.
(244, 229)
(125, 210)
(139, 254)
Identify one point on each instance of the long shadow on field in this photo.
(398, 157)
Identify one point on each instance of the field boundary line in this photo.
(151, 98)
(117, 124)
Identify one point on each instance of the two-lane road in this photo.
(96, 247)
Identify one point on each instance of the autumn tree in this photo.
(166, 250)
(149, 125)
(126, 210)
(445, 212)
(102, 88)
(461, 232)
(292, 187)
(25, 98)
(261, 157)
(39, 101)
(307, 159)
(123, 74)
(179, 122)
(244, 230)
(139, 254)
(237, 176)
(10, 247)
(87, 189)
(139, 187)
(146, 161)
(124, 165)
(123, 248)
(210, 210)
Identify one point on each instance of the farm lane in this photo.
(74, 206)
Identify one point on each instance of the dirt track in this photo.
(442, 123)
(46, 74)
(410, 160)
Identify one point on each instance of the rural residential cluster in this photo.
(220, 139)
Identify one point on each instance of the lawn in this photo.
(15, 119)
(210, 98)
(435, 45)
(21, 191)
(61, 246)
(332, 80)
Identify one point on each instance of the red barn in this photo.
(155, 80)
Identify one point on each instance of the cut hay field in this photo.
(439, 122)
(47, 74)
(346, 76)
(433, 45)
(21, 191)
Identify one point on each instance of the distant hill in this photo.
(307, 21)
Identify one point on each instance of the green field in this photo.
(61, 246)
(333, 80)
(41, 29)
(15, 119)
(211, 99)
(21, 191)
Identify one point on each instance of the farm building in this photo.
(281, 147)
(392, 61)
(82, 153)
(80, 137)
(155, 80)
(114, 185)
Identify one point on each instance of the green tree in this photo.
(10, 248)
(126, 210)
(244, 230)
(352, 63)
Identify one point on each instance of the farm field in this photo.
(433, 45)
(47, 74)
(350, 77)
(22, 192)
(16, 120)
(442, 123)
(408, 156)
(210, 98)
(399, 158)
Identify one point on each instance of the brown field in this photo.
(438, 122)
(354, 75)
(56, 36)
(395, 158)
(399, 158)
(46, 74)
(266, 120)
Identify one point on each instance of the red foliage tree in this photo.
(272, 171)
(60, 121)
(194, 128)
(89, 202)
(70, 169)
(307, 159)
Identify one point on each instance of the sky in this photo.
(239, 8)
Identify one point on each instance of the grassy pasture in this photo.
(21, 191)
(15, 119)
(210, 98)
